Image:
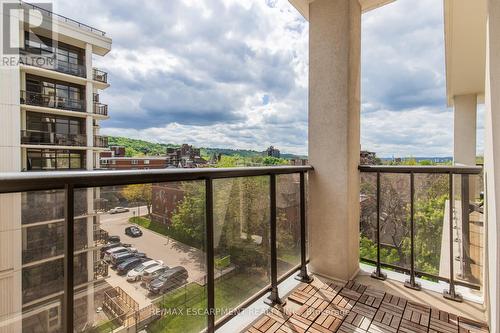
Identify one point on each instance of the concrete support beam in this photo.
(334, 136)
(464, 128)
(492, 164)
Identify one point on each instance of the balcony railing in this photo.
(95, 97)
(30, 137)
(51, 101)
(418, 219)
(52, 63)
(101, 109)
(216, 188)
(64, 19)
(100, 141)
(99, 75)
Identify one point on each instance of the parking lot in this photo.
(157, 247)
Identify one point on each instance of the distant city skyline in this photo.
(238, 77)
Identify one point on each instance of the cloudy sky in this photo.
(233, 73)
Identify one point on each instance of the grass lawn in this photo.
(229, 292)
(148, 224)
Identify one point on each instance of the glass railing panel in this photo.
(31, 291)
(242, 239)
(368, 217)
(288, 222)
(171, 218)
(395, 219)
(431, 241)
(468, 229)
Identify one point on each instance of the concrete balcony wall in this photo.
(334, 136)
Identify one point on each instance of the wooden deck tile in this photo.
(302, 293)
(296, 324)
(340, 306)
(360, 317)
(415, 318)
(353, 290)
(442, 322)
(387, 319)
(372, 297)
(325, 323)
(354, 308)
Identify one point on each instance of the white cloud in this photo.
(234, 73)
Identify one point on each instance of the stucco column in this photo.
(492, 164)
(334, 136)
(464, 128)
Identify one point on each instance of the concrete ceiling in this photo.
(465, 44)
(366, 5)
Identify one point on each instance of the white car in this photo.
(118, 210)
(136, 273)
(108, 255)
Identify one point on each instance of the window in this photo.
(55, 159)
(70, 59)
(54, 94)
(135, 162)
(54, 124)
(146, 161)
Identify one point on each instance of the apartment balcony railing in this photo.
(51, 101)
(423, 221)
(30, 137)
(63, 18)
(95, 97)
(264, 191)
(100, 141)
(52, 63)
(101, 109)
(99, 75)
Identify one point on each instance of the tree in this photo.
(141, 193)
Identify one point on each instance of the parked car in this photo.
(133, 231)
(118, 210)
(116, 250)
(114, 239)
(117, 259)
(108, 247)
(129, 264)
(171, 279)
(152, 273)
(147, 273)
(136, 273)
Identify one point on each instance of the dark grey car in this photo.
(171, 279)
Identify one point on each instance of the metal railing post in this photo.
(69, 240)
(451, 293)
(209, 212)
(274, 298)
(411, 283)
(303, 275)
(378, 274)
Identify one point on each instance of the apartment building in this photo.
(50, 112)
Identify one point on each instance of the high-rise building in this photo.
(50, 113)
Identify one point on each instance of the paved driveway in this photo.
(157, 246)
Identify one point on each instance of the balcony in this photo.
(100, 141)
(99, 76)
(241, 235)
(30, 137)
(50, 62)
(101, 109)
(51, 101)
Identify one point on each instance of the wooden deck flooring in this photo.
(322, 307)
